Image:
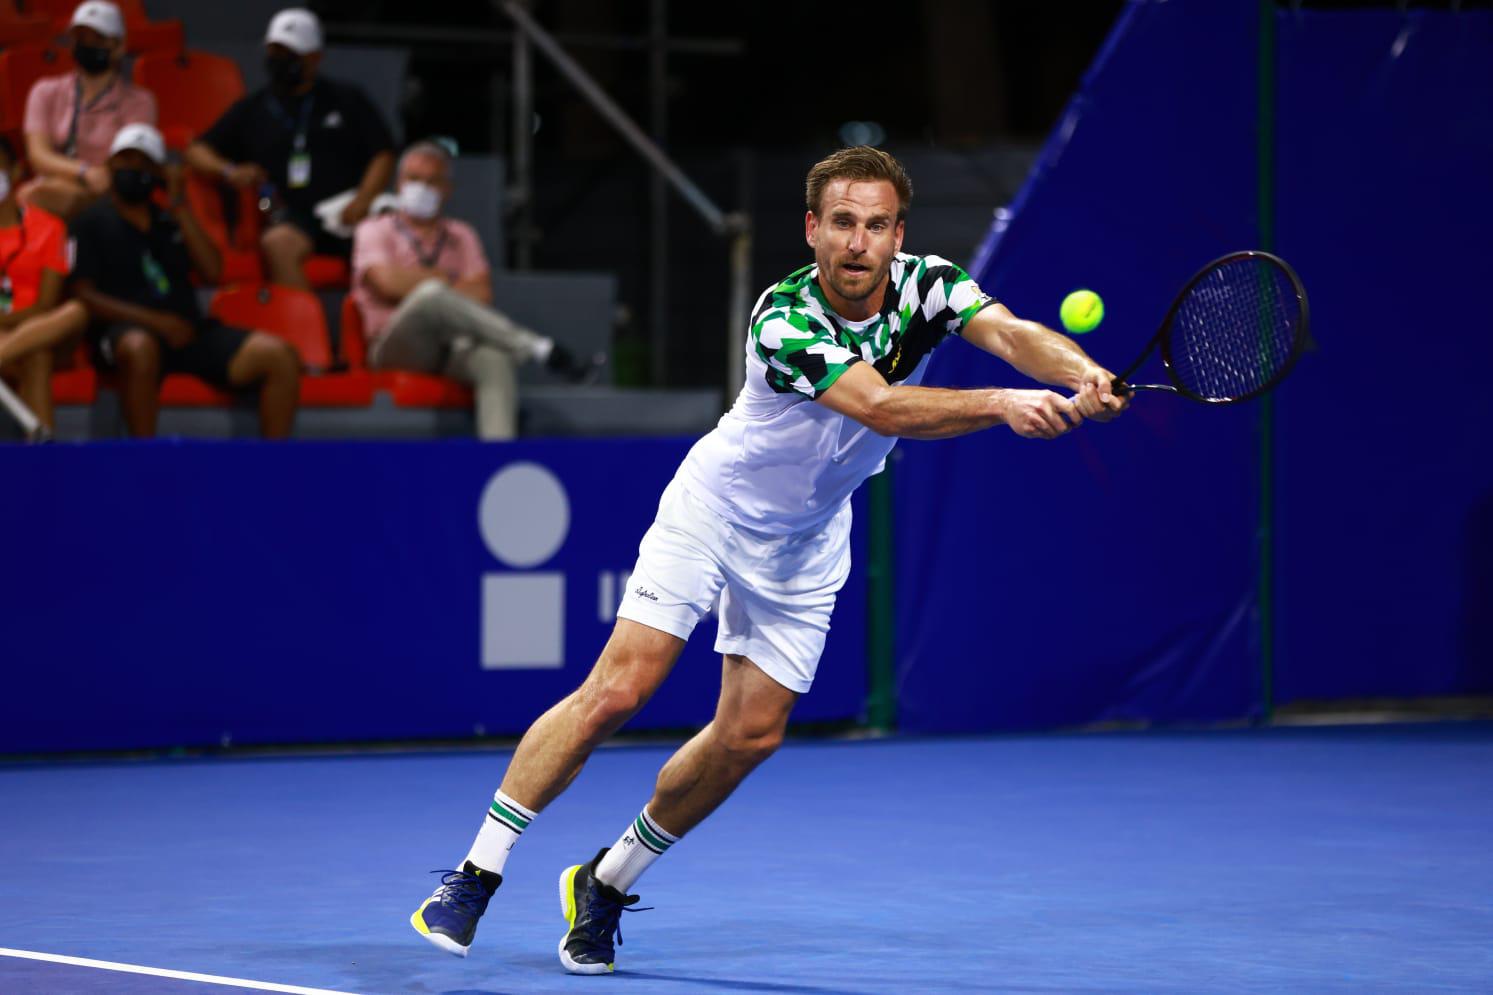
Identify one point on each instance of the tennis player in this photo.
(758, 519)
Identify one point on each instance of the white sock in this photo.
(643, 843)
(505, 823)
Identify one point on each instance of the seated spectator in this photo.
(71, 119)
(301, 140)
(33, 267)
(132, 271)
(422, 284)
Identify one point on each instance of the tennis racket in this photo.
(1233, 333)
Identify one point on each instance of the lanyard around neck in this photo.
(427, 260)
(298, 128)
(70, 147)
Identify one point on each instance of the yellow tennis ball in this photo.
(1082, 311)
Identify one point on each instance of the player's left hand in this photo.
(1096, 398)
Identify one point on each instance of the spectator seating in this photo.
(192, 89)
(77, 383)
(297, 317)
(406, 389)
(21, 28)
(21, 66)
(141, 33)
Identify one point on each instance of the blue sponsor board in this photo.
(195, 594)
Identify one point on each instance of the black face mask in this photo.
(133, 186)
(92, 59)
(286, 73)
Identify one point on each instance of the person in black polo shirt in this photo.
(132, 271)
(300, 140)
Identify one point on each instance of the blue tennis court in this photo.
(1341, 860)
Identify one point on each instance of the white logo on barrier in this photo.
(524, 516)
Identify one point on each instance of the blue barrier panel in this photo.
(1386, 513)
(1109, 575)
(197, 593)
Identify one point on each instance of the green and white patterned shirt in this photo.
(779, 464)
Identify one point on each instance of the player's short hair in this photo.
(859, 162)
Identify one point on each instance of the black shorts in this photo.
(323, 242)
(207, 356)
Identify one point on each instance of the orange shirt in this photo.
(38, 243)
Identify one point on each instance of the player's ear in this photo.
(811, 225)
(901, 229)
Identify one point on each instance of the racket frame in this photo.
(1162, 338)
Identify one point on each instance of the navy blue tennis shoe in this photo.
(593, 911)
(449, 917)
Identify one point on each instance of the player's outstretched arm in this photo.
(935, 413)
(1046, 356)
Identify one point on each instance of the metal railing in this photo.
(734, 226)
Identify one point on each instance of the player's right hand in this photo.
(1040, 414)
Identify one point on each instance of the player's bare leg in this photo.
(633, 664)
(748, 726)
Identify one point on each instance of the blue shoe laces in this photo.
(603, 921)
(462, 891)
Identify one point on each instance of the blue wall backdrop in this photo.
(1385, 139)
(1109, 575)
(188, 593)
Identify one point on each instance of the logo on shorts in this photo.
(642, 593)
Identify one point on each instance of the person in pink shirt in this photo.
(72, 119)
(422, 284)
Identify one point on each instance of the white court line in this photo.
(161, 972)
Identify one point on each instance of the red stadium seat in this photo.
(192, 88)
(293, 315)
(182, 390)
(76, 383)
(405, 389)
(296, 316)
(17, 28)
(141, 33)
(20, 67)
(238, 244)
(327, 272)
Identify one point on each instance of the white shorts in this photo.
(776, 592)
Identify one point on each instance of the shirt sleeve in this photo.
(372, 246)
(40, 108)
(226, 136)
(800, 351)
(950, 296)
(87, 251)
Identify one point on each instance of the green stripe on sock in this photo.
(649, 836)
(509, 816)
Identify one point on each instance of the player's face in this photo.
(855, 234)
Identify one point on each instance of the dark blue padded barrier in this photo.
(1385, 139)
(187, 594)
(1110, 575)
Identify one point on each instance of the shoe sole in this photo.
(440, 940)
(567, 909)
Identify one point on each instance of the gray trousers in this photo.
(437, 330)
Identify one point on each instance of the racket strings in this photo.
(1236, 329)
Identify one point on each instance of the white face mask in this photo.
(419, 200)
(4, 185)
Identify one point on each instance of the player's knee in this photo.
(748, 746)
(609, 702)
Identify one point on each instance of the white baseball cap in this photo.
(142, 138)
(297, 29)
(100, 15)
